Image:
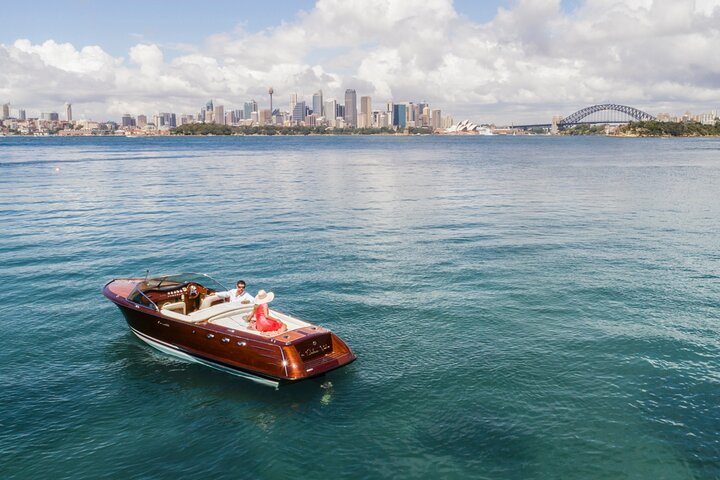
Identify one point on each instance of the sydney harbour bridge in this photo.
(605, 114)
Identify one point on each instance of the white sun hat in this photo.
(264, 297)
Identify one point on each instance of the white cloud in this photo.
(532, 57)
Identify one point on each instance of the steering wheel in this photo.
(192, 290)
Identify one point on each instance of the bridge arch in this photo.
(577, 117)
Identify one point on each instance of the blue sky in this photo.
(116, 26)
(534, 60)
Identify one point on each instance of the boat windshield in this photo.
(170, 282)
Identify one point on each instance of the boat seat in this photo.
(208, 301)
(215, 310)
(204, 314)
(178, 307)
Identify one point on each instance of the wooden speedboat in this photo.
(181, 315)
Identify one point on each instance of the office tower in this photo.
(317, 106)
(340, 112)
(173, 120)
(249, 108)
(219, 114)
(51, 116)
(350, 107)
(209, 106)
(68, 112)
(6, 111)
(365, 119)
(21, 115)
(229, 118)
(330, 109)
(141, 121)
(426, 116)
(298, 113)
(265, 117)
(127, 120)
(436, 119)
(399, 116)
(293, 102)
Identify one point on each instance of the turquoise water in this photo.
(520, 307)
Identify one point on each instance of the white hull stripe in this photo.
(176, 352)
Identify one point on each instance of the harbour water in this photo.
(537, 307)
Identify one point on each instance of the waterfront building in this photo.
(317, 103)
(436, 119)
(169, 119)
(6, 111)
(249, 108)
(365, 119)
(399, 115)
(68, 112)
(265, 117)
(298, 113)
(330, 109)
(350, 107)
(293, 102)
(219, 114)
(127, 120)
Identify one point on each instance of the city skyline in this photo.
(492, 62)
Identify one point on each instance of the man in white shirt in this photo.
(238, 294)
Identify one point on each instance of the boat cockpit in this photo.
(192, 298)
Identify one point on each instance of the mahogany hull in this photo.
(283, 358)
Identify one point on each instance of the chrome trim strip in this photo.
(176, 352)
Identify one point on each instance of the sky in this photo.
(495, 61)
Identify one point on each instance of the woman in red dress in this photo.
(260, 317)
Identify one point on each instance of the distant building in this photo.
(350, 107)
(68, 112)
(6, 111)
(298, 113)
(399, 115)
(219, 114)
(435, 119)
(249, 108)
(317, 105)
(141, 121)
(51, 116)
(365, 119)
(21, 115)
(330, 109)
(127, 120)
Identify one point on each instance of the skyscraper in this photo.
(127, 120)
(293, 101)
(436, 119)
(298, 113)
(350, 107)
(330, 109)
(68, 112)
(318, 104)
(399, 112)
(365, 120)
(6, 111)
(249, 108)
(209, 106)
(21, 114)
(219, 114)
